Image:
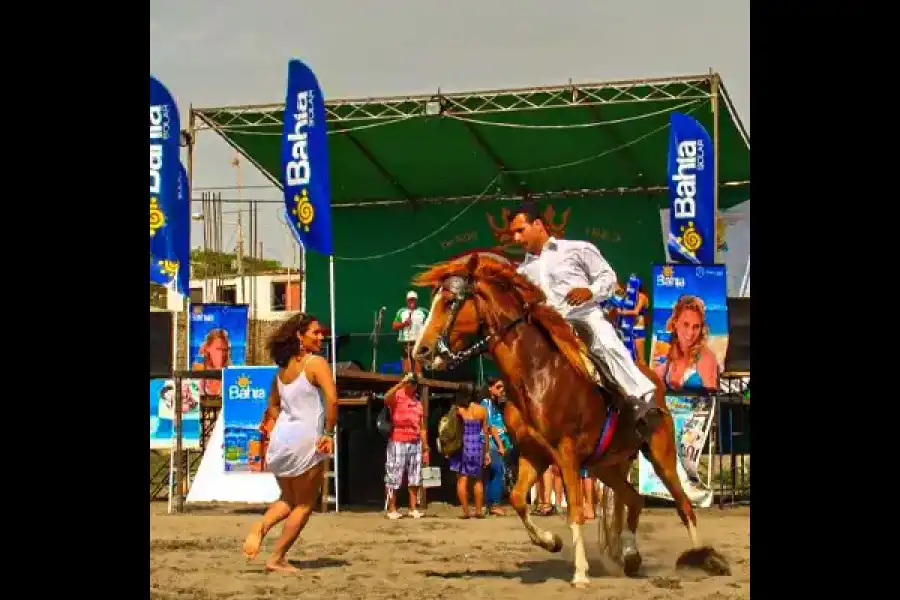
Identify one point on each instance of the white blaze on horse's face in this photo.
(425, 327)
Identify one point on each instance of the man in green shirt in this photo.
(410, 321)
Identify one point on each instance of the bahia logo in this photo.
(243, 390)
(690, 160)
(159, 133)
(198, 316)
(667, 278)
(297, 170)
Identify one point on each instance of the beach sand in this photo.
(196, 556)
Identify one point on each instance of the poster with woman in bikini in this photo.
(690, 326)
(218, 339)
(690, 337)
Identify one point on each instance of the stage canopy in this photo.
(575, 139)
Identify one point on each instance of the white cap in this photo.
(412, 294)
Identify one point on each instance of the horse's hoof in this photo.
(557, 544)
(581, 582)
(706, 559)
(631, 563)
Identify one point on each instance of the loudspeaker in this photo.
(737, 359)
(161, 342)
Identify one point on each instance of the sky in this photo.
(220, 53)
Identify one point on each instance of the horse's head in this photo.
(475, 297)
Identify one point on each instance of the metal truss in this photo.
(672, 89)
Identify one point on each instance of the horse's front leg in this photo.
(528, 473)
(569, 468)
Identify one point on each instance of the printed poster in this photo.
(162, 414)
(693, 418)
(218, 339)
(244, 400)
(690, 339)
(690, 326)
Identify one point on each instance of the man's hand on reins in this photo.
(578, 296)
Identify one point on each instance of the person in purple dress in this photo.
(473, 456)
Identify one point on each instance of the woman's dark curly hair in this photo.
(284, 343)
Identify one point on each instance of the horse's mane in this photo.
(504, 276)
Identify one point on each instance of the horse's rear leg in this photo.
(663, 455)
(616, 478)
(569, 469)
(518, 497)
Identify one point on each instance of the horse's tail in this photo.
(611, 520)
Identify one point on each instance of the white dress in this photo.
(292, 445)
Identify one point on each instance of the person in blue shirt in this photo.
(500, 445)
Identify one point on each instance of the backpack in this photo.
(450, 433)
(383, 422)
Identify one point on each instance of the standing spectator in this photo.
(549, 483)
(469, 460)
(407, 449)
(639, 329)
(410, 321)
(499, 444)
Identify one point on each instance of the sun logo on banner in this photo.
(243, 382)
(667, 271)
(690, 237)
(157, 218)
(304, 210)
(198, 310)
(168, 267)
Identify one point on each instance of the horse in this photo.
(557, 412)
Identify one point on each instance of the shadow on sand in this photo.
(529, 572)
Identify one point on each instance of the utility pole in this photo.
(240, 234)
(240, 254)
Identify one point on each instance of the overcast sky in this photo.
(226, 52)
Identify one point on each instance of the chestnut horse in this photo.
(556, 413)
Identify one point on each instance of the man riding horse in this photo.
(576, 278)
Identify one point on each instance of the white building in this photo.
(272, 293)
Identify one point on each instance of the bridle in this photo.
(462, 289)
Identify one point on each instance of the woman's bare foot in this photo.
(497, 512)
(253, 541)
(281, 566)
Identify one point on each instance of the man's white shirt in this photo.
(416, 317)
(564, 265)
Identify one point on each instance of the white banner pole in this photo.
(337, 508)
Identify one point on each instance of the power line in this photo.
(214, 188)
(238, 200)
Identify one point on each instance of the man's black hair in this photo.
(529, 208)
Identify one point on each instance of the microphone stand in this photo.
(375, 335)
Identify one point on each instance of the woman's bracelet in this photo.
(329, 433)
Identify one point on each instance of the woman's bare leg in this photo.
(587, 485)
(639, 347)
(462, 493)
(277, 512)
(558, 490)
(478, 492)
(305, 490)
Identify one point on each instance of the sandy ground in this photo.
(196, 556)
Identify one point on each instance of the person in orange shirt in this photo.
(407, 449)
